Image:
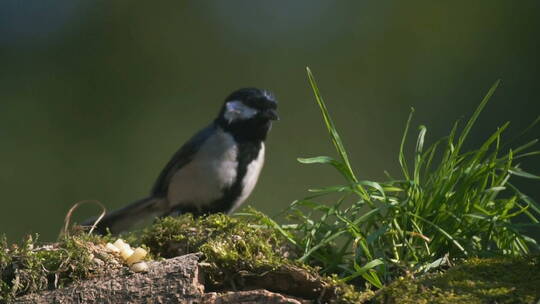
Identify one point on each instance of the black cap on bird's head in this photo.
(248, 113)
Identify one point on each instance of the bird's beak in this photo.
(270, 114)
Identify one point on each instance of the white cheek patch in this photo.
(236, 110)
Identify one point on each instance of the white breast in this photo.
(212, 169)
(250, 179)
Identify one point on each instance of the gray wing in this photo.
(183, 156)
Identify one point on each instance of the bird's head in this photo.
(248, 113)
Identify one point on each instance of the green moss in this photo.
(29, 267)
(346, 293)
(228, 244)
(495, 280)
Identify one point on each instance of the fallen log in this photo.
(175, 280)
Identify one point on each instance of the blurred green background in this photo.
(95, 96)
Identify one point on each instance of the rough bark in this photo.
(176, 280)
(259, 296)
(288, 280)
(171, 281)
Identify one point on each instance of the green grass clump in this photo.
(30, 266)
(492, 280)
(448, 203)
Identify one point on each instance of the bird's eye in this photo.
(236, 110)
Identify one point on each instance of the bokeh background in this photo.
(95, 96)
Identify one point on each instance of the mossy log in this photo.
(215, 259)
(175, 280)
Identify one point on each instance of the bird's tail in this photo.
(123, 219)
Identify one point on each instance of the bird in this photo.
(215, 171)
